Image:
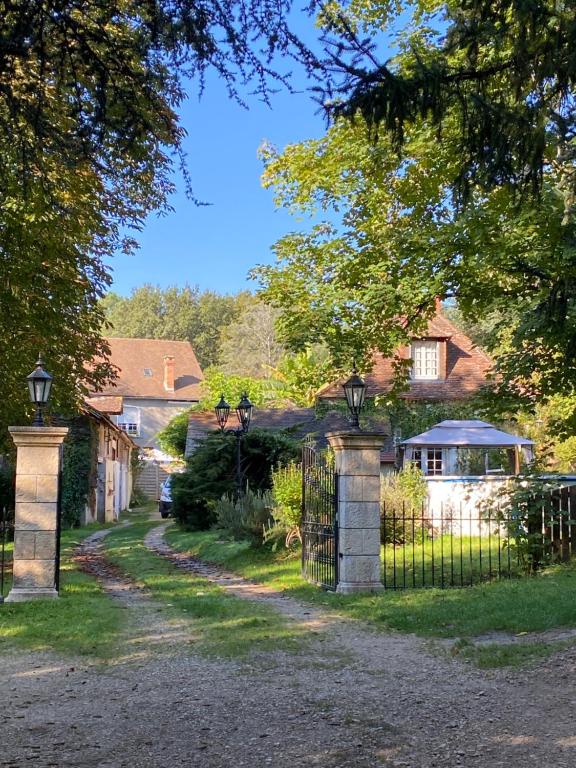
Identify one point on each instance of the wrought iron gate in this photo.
(319, 520)
(6, 536)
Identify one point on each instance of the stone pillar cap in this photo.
(38, 435)
(356, 439)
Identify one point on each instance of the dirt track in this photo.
(353, 698)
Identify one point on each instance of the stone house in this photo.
(98, 453)
(157, 379)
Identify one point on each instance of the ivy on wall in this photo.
(79, 462)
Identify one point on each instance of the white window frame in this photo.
(430, 460)
(129, 420)
(425, 354)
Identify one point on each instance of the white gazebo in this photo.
(455, 448)
(465, 462)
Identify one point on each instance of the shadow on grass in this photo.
(532, 604)
(220, 624)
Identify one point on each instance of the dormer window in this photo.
(147, 371)
(425, 356)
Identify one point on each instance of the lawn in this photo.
(83, 621)
(531, 604)
(219, 624)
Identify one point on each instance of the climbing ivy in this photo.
(79, 461)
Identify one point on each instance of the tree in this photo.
(211, 471)
(371, 280)
(89, 134)
(297, 377)
(503, 70)
(249, 345)
(184, 314)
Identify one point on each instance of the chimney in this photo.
(438, 305)
(169, 373)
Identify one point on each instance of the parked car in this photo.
(165, 501)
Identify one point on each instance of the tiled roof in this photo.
(141, 369)
(466, 369)
(299, 422)
(108, 404)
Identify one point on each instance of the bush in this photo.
(172, 439)
(211, 472)
(401, 498)
(287, 493)
(246, 517)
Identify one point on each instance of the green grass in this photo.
(447, 560)
(532, 604)
(219, 624)
(83, 621)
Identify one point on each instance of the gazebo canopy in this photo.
(469, 434)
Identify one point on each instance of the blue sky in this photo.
(215, 246)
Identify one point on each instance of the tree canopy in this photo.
(503, 70)
(368, 277)
(184, 314)
(89, 137)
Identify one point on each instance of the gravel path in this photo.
(353, 697)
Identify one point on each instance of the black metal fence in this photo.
(319, 526)
(462, 546)
(6, 539)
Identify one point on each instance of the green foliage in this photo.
(502, 70)
(297, 377)
(249, 345)
(367, 278)
(402, 495)
(409, 418)
(211, 471)
(184, 314)
(523, 507)
(89, 140)
(172, 439)
(245, 518)
(565, 454)
(78, 464)
(216, 383)
(287, 494)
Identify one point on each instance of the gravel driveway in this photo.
(353, 697)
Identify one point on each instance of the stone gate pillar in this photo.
(35, 521)
(358, 467)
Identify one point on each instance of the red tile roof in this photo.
(107, 404)
(141, 369)
(466, 369)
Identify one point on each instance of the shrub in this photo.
(211, 471)
(287, 493)
(401, 498)
(246, 517)
(172, 439)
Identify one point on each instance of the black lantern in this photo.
(355, 391)
(244, 412)
(222, 410)
(39, 386)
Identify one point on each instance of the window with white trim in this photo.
(129, 420)
(425, 360)
(429, 460)
(433, 462)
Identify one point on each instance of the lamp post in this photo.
(244, 415)
(355, 391)
(39, 388)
